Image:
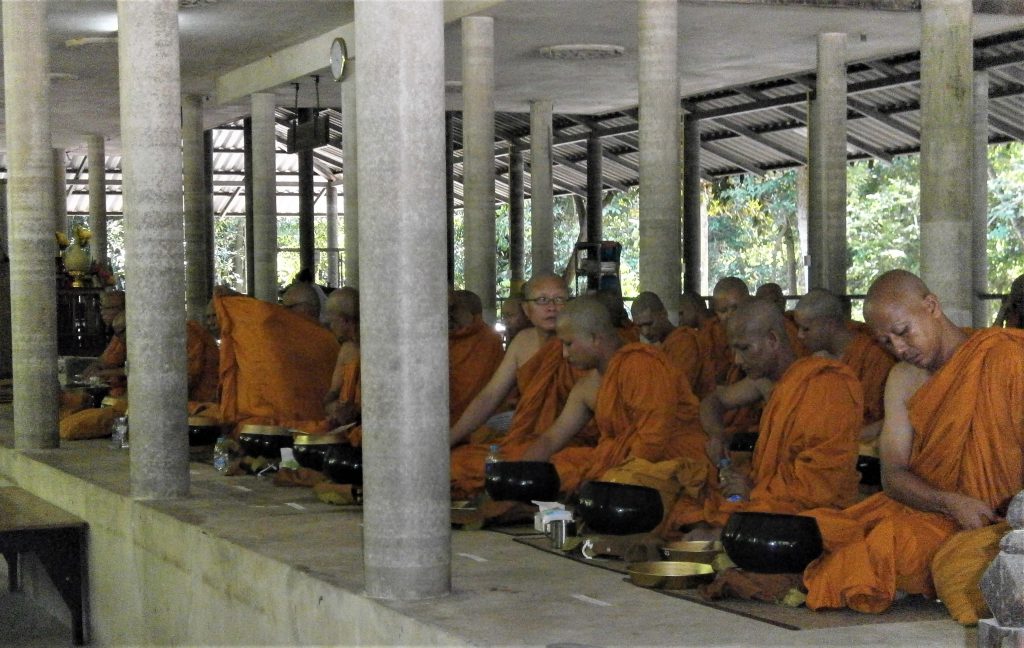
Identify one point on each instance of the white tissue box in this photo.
(542, 519)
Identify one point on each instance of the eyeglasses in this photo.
(544, 301)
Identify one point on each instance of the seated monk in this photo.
(534, 364)
(474, 351)
(806, 450)
(642, 406)
(342, 311)
(612, 300)
(275, 364)
(726, 297)
(683, 345)
(772, 292)
(203, 363)
(302, 299)
(693, 310)
(824, 329)
(109, 367)
(952, 450)
(513, 318)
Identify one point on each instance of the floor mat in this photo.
(908, 610)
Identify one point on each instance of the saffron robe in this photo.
(968, 422)
(474, 353)
(686, 348)
(871, 364)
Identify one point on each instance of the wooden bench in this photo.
(29, 524)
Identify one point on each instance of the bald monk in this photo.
(726, 297)
(952, 450)
(824, 329)
(513, 318)
(1011, 311)
(693, 310)
(642, 406)
(301, 298)
(806, 450)
(534, 364)
(683, 345)
(342, 313)
(474, 351)
(772, 292)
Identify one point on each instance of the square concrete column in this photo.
(149, 72)
(97, 160)
(404, 311)
(350, 177)
(979, 221)
(264, 197)
(197, 271)
(478, 146)
(31, 245)
(947, 143)
(60, 190)
(541, 190)
(660, 258)
(827, 181)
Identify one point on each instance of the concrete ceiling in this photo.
(721, 44)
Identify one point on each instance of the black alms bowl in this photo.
(343, 464)
(619, 509)
(870, 469)
(743, 442)
(522, 481)
(772, 543)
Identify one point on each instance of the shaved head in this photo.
(693, 310)
(647, 302)
(301, 298)
(819, 303)
(729, 293)
(651, 318)
(342, 310)
(758, 339)
(895, 285)
(821, 322)
(589, 339)
(758, 317)
(470, 301)
(544, 296)
(587, 315)
(773, 293)
(540, 282)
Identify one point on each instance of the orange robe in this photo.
(203, 363)
(628, 332)
(351, 391)
(871, 364)
(644, 409)
(806, 450)
(114, 356)
(717, 351)
(474, 353)
(275, 365)
(968, 422)
(544, 383)
(685, 347)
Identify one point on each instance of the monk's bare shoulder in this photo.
(904, 380)
(586, 388)
(524, 345)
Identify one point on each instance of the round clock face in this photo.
(339, 54)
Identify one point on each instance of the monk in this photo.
(641, 405)
(302, 299)
(612, 301)
(772, 292)
(111, 303)
(109, 366)
(683, 345)
(513, 318)
(806, 450)
(1011, 311)
(726, 297)
(534, 364)
(203, 363)
(824, 329)
(342, 311)
(474, 351)
(113, 356)
(693, 310)
(952, 450)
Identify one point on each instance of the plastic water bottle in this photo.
(493, 457)
(724, 467)
(221, 456)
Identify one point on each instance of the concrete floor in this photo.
(504, 593)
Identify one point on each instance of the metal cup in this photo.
(559, 531)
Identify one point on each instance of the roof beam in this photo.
(740, 163)
(739, 129)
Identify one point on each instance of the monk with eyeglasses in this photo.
(534, 365)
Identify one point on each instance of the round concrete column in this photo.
(147, 50)
(595, 189)
(404, 314)
(979, 222)
(478, 159)
(541, 191)
(350, 177)
(197, 290)
(693, 277)
(264, 197)
(947, 140)
(60, 190)
(332, 233)
(31, 247)
(515, 213)
(660, 262)
(828, 167)
(98, 197)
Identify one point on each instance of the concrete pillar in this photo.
(828, 167)
(692, 275)
(60, 190)
(350, 155)
(404, 318)
(332, 234)
(250, 216)
(478, 159)
(197, 286)
(1002, 586)
(306, 239)
(264, 197)
(660, 262)
(30, 173)
(802, 198)
(449, 186)
(595, 189)
(542, 246)
(97, 159)
(979, 191)
(147, 51)
(516, 198)
(947, 141)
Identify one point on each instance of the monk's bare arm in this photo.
(348, 352)
(895, 445)
(494, 392)
(714, 406)
(578, 410)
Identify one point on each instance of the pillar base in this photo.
(993, 635)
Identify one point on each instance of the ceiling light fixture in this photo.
(582, 51)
